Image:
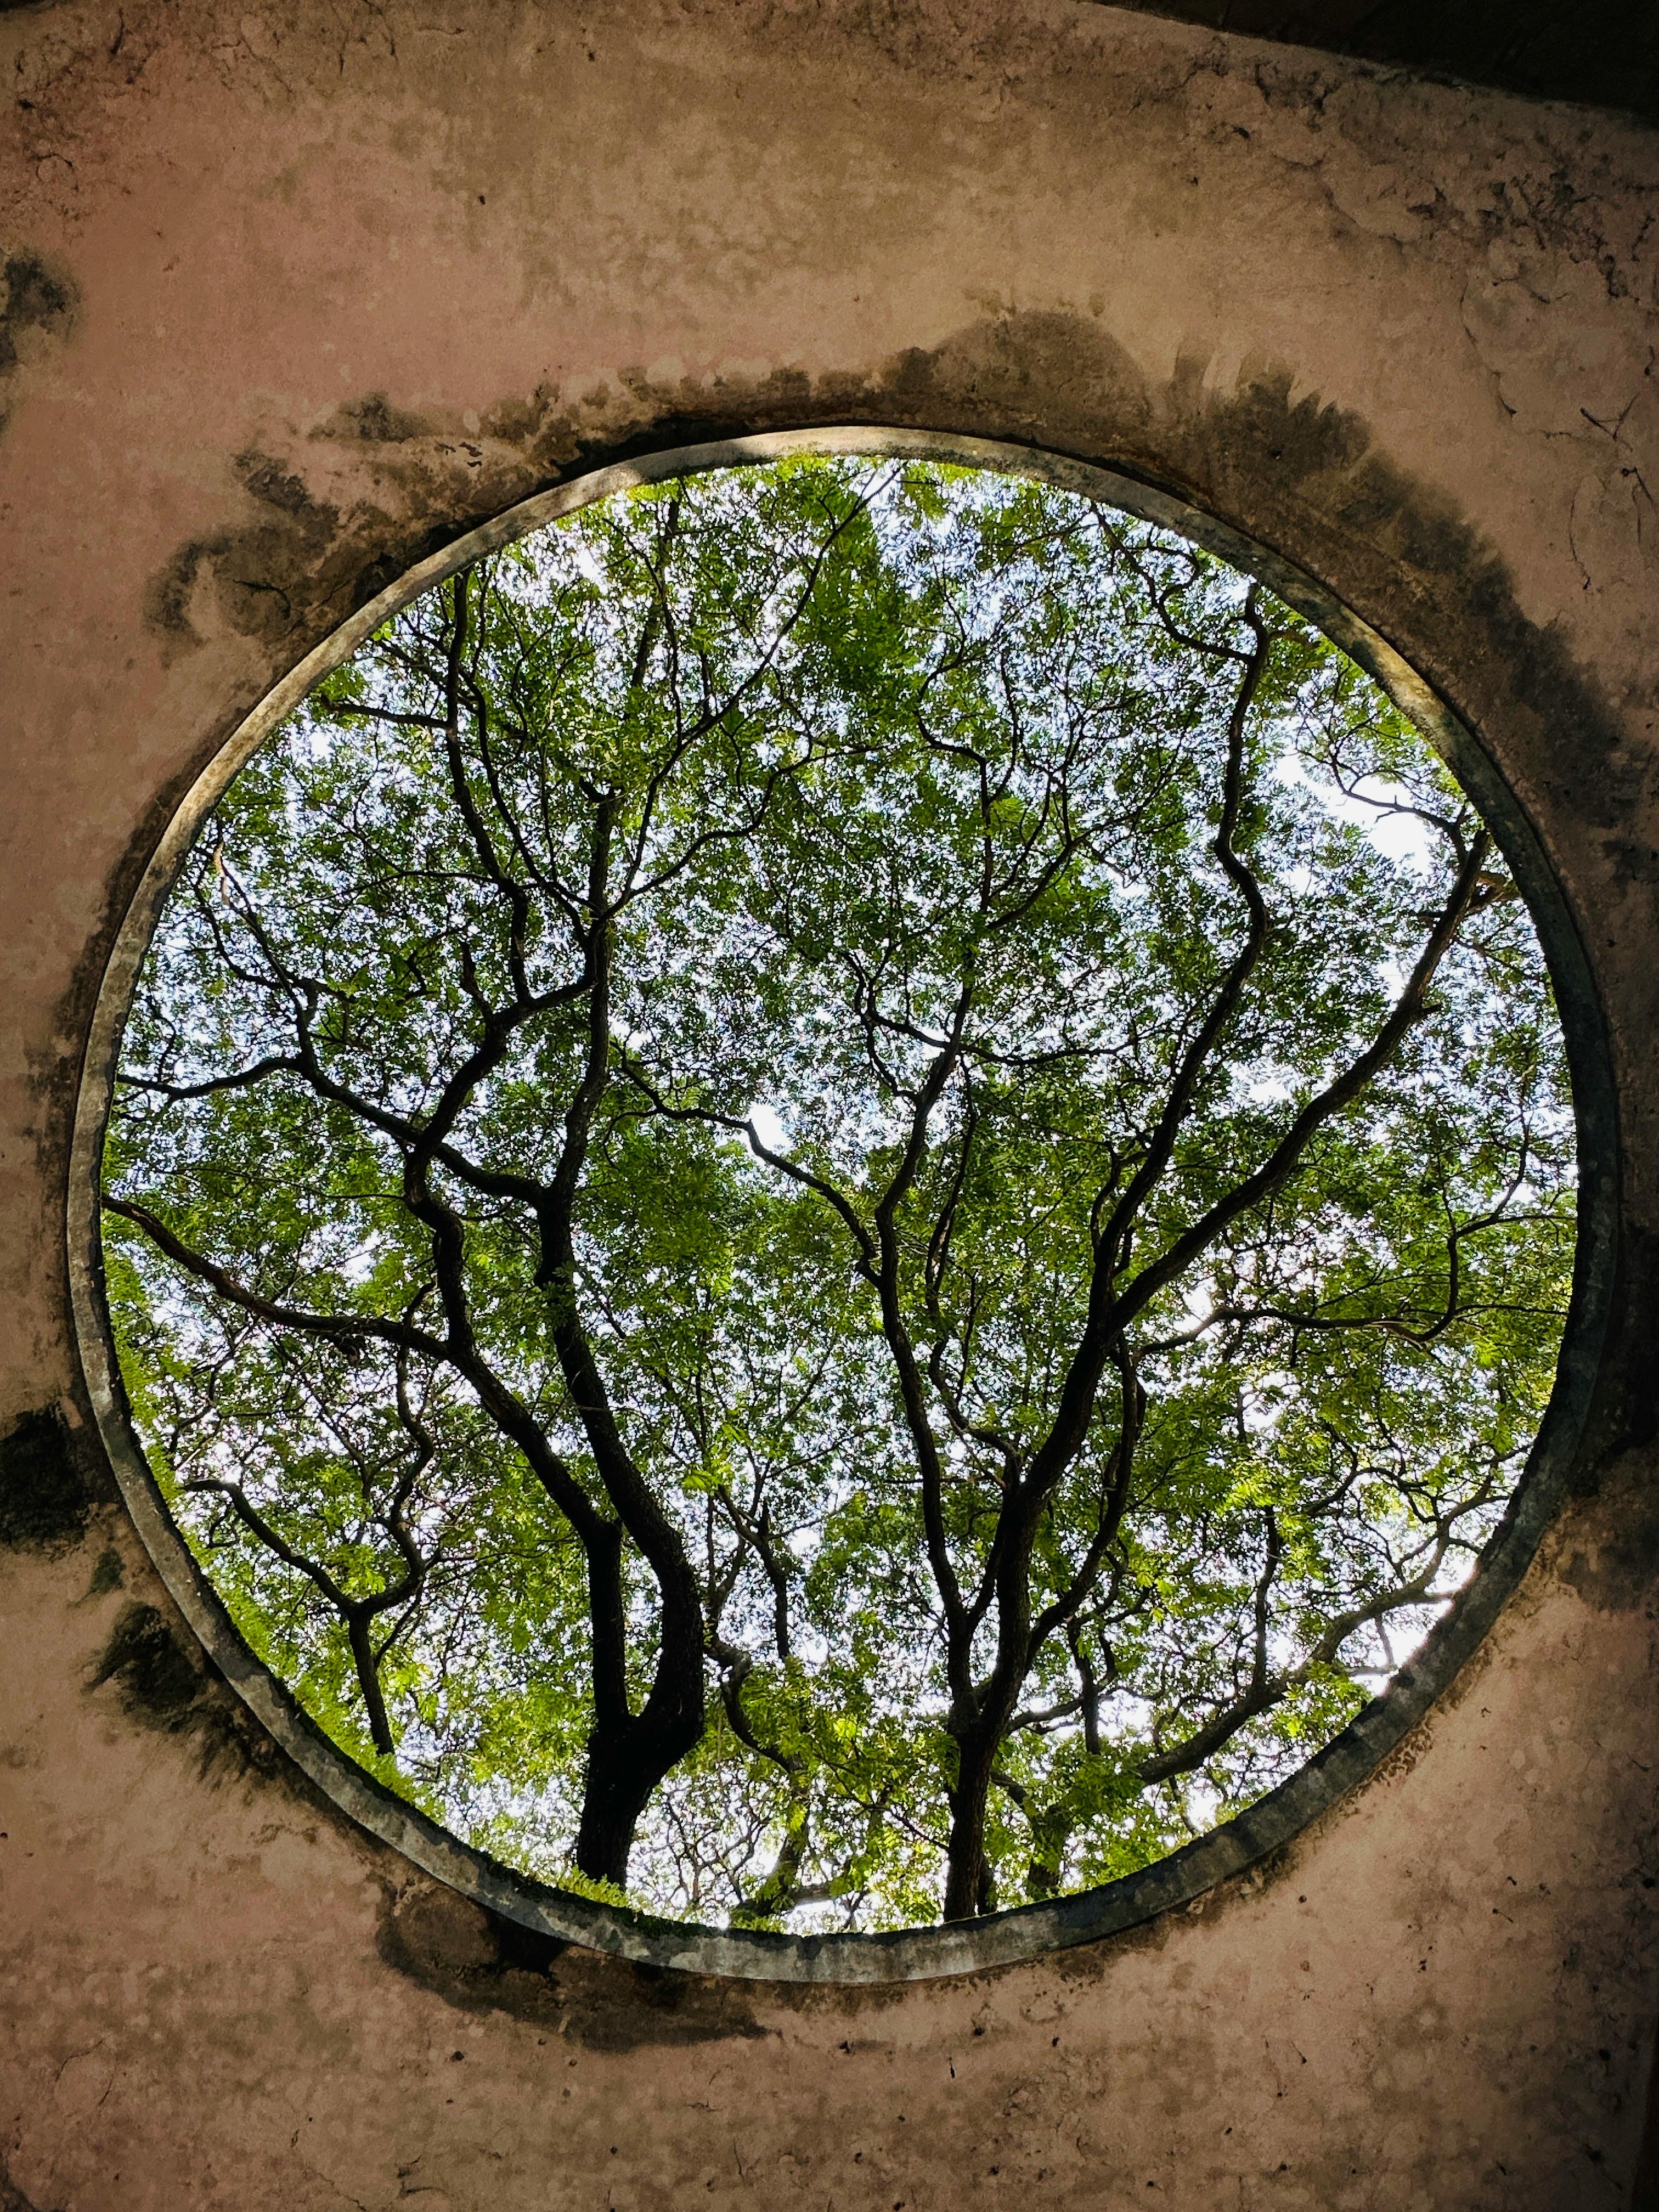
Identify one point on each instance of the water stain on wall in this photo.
(38, 307)
(47, 1490)
(480, 1960)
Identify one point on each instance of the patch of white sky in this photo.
(359, 1263)
(1378, 807)
(770, 1127)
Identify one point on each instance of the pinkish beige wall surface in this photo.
(294, 293)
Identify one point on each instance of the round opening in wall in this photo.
(840, 1194)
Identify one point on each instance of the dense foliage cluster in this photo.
(840, 1194)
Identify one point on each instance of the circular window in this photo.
(840, 1196)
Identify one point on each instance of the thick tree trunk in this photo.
(628, 1753)
(967, 1884)
(626, 1762)
(619, 1789)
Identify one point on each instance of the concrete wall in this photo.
(296, 294)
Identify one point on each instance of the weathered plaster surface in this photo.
(295, 293)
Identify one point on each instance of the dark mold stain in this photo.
(108, 1574)
(161, 1684)
(165, 1684)
(37, 303)
(261, 577)
(1613, 1560)
(481, 1961)
(385, 570)
(292, 574)
(37, 298)
(47, 1490)
(1610, 1553)
(376, 419)
(12, 2198)
(267, 480)
(1625, 1420)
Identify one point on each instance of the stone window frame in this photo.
(1020, 1933)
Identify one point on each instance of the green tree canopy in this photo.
(842, 1195)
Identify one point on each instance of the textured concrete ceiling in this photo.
(1605, 52)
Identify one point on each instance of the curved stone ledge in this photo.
(1027, 1931)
